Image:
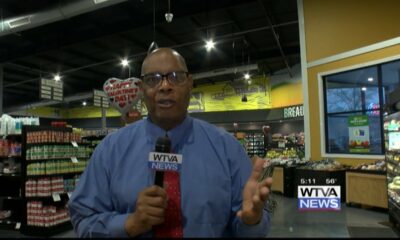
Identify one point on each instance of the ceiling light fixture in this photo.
(18, 22)
(247, 76)
(99, 1)
(210, 44)
(370, 79)
(84, 103)
(169, 15)
(57, 77)
(124, 62)
(364, 89)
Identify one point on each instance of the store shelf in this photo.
(10, 197)
(10, 156)
(394, 153)
(94, 137)
(50, 159)
(392, 173)
(9, 223)
(47, 231)
(28, 145)
(377, 172)
(46, 198)
(11, 136)
(13, 175)
(395, 163)
(53, 175)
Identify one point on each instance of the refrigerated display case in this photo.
(391, 128)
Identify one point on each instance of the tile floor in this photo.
(287, 221)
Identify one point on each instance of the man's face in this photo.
(166, 102)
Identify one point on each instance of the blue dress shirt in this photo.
(214, 170)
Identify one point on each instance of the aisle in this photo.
(349, 222)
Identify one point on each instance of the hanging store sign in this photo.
(293, 112)
(50, 89)
(100, 99)
(228, 96)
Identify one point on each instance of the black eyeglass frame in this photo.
(168, 76)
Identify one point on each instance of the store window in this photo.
(353, 107)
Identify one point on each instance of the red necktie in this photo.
(172, 226)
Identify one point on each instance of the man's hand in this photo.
(150, 209)
(254, 195)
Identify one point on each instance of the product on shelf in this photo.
(40, 215)
(254, 144)
(10, 125)
(97, 132)
(45, 187)
(52, 137)
(52, 168)
(9, 148)
(58, 124)
(395, 184)
(276, 137)
(57, 151)
(9, 166)
(5, 214)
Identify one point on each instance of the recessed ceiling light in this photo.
(364, 89)
(370, 79)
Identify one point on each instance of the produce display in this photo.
(379, 165)
(395, 184)
(325, 164)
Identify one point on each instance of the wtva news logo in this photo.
(319, 198)
(165, 161)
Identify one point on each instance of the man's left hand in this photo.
(254, 195)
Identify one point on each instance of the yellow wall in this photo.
(49, 112)
(287, 95)
(283, 95)
(333, 27)
(336, 26)
(90, 112)
(79, 112)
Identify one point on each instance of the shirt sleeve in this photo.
(241, 168)
(91, 208)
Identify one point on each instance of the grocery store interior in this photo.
(311, 87)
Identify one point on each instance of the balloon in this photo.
(123, 94)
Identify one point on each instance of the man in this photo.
(219, 192)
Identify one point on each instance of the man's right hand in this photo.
(150, 209)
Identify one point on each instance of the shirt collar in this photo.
(177, 134)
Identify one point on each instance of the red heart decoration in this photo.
(123, 94)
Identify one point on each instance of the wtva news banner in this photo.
(318, 198)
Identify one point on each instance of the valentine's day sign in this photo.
(123, 94)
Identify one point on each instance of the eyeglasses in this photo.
(174, 78)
